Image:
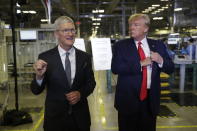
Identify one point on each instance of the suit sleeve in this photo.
(121, 65)
(35, 87)
(168, 65)
(90, 83)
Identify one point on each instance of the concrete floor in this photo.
(103, 114)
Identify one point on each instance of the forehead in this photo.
(66, 25)
(137, 20)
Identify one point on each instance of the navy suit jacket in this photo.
(56, 83)
(126, 64)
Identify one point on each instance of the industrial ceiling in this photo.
(113, 21)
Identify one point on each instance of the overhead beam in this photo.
(69, 8)
(111, 7)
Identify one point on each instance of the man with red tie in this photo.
(138, 62)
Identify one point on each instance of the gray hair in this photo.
(138, 16)
(61, 20)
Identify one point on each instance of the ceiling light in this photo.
(174, 34)
(25, 12)
(178, 9)
(98, 11)
(100, 15)
(18, 11)
(157, 18)
(44, 20)
(155, 5)
(94, 11)
(96, 19)
(101, 11)
(96, 23)
(161, 9)
(32, 12)
(17, 5)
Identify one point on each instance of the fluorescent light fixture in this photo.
(98, 11)
(157, 18)
(100, 15)
(174, 34)
(94, 11)
(25, 12)
(155, 5)
(17, 5)
(178, 9)
(96, 23)
(101, 11)
(32, 12)
(18, 11)
(161, 9)
(44, 20)
(96, 19)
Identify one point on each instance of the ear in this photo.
(146, 29)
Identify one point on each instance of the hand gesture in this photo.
(156, 57)
(146, 62)
(40, 67)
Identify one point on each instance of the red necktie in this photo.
(143, 91)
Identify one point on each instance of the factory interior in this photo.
(26, 30)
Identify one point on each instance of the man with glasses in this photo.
(67, 74)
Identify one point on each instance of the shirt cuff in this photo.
(160, 65)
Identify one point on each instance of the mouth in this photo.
(71, 38)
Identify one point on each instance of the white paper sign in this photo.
(102, 53)
(80, 44)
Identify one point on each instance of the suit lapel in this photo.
(79, 63)
(151, 45)
(131, 50)
(59, 66)
(59, 61)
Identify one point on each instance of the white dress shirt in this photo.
(72, 58)
(146, 50)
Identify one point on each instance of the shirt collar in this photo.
(63, 52)
(143, 41)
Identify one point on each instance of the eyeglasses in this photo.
(66, 31)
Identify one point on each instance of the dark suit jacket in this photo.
(126, 63)
(56, 83)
